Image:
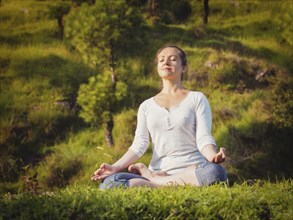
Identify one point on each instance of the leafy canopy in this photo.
(96, 99)
(103, 32)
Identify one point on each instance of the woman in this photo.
(178, 121)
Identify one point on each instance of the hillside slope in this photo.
(241, 60)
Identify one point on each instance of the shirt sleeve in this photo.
(203, 122)
(141, 139)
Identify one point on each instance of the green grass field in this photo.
(262, 200)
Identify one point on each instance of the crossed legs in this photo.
(187, 177)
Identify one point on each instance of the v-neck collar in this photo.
(172, 107)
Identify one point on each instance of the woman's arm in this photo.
(204, 124)
(106, 169)
(127, 159)
(137, 149)
(205, 141)
(210, 153)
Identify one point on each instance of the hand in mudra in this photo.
(220, 156)
(104, 171)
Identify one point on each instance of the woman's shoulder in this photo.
(197, 94)
(146, 103)
(198, 98)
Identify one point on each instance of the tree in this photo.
(103, 34)
(205, 12)
(165, 11)
(57, 12)
(152, 6)
(99, 101)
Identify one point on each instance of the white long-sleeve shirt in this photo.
(178, 134)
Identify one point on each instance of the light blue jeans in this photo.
(119, 180)
(210, 173)
(207, 174)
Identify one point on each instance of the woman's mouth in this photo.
(167, 68)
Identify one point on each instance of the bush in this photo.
(125, 125)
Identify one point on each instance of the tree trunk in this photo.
(112, 66)
(91, 2)
(60, 28)
(113, 76)
(151, 7)
(108, 134)
(205, 12)
(110, 122)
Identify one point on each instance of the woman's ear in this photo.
(184, 68)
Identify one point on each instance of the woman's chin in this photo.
(166, 74)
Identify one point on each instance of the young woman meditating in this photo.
(178, 122)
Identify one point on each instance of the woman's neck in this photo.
(171, 87)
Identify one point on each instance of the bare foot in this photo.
(140, 168)
(134, 169)
(159, 173)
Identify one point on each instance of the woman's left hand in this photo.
(220, 156)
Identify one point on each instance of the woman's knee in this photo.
(210, 173)
(135, 182)
(113, 181)
(119, 180)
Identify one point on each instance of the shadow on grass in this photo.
(60, 72)
(26, 38)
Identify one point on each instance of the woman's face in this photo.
(169, 64)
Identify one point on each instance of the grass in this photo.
(262, 200)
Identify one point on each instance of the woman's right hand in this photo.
(104, 171)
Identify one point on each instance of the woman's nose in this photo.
(166, 62)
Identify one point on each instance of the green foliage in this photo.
(168, 12)
(73, 160)
(125, 125)
(38, 88)
(181, 10)
(39, 83)
(282, 100)
(25, 23)
(102, 33)
(251, 141)
(262, 200)
(59, 10)
(98, 96)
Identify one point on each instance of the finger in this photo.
(97, 177)
(215, 159)
(103, 165)
(101, 169)
(100, 177)
(218, 159)
(97, 172)
(223, 152)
